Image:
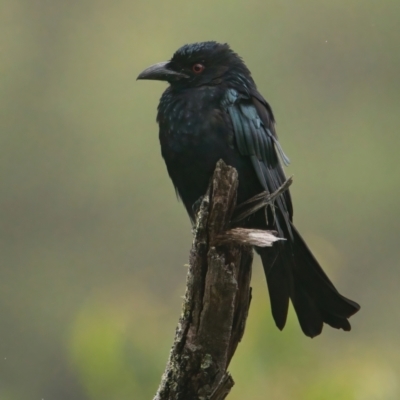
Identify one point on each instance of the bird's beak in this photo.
(161, 72)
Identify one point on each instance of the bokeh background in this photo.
(93, 241)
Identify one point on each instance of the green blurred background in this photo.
(93, 242)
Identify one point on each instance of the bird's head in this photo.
(198, 64)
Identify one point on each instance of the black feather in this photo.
(219, 113)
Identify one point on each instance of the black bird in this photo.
(210, 111)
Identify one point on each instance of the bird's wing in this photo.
(255, 137)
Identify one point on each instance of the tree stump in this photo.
(217, 297)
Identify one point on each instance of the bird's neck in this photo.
(183, 103)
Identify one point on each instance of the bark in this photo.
(217, 297)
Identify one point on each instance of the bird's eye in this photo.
(198, 68)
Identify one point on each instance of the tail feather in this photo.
(279, 282)
(336, 322)
(312, 276)
(309, 315)
(293, 272)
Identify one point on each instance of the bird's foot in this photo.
(261, 200)
(251, 206)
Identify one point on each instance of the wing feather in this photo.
(255, 136)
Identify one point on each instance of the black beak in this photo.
(161, 72)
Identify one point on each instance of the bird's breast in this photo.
(193, 137)
(191, 124)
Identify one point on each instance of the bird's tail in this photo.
(293, 272)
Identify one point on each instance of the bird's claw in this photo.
(261, 200)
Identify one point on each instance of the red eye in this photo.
(198, 68)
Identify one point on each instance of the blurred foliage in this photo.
(109, 346)
(92, 239)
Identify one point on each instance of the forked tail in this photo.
(293, 272)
